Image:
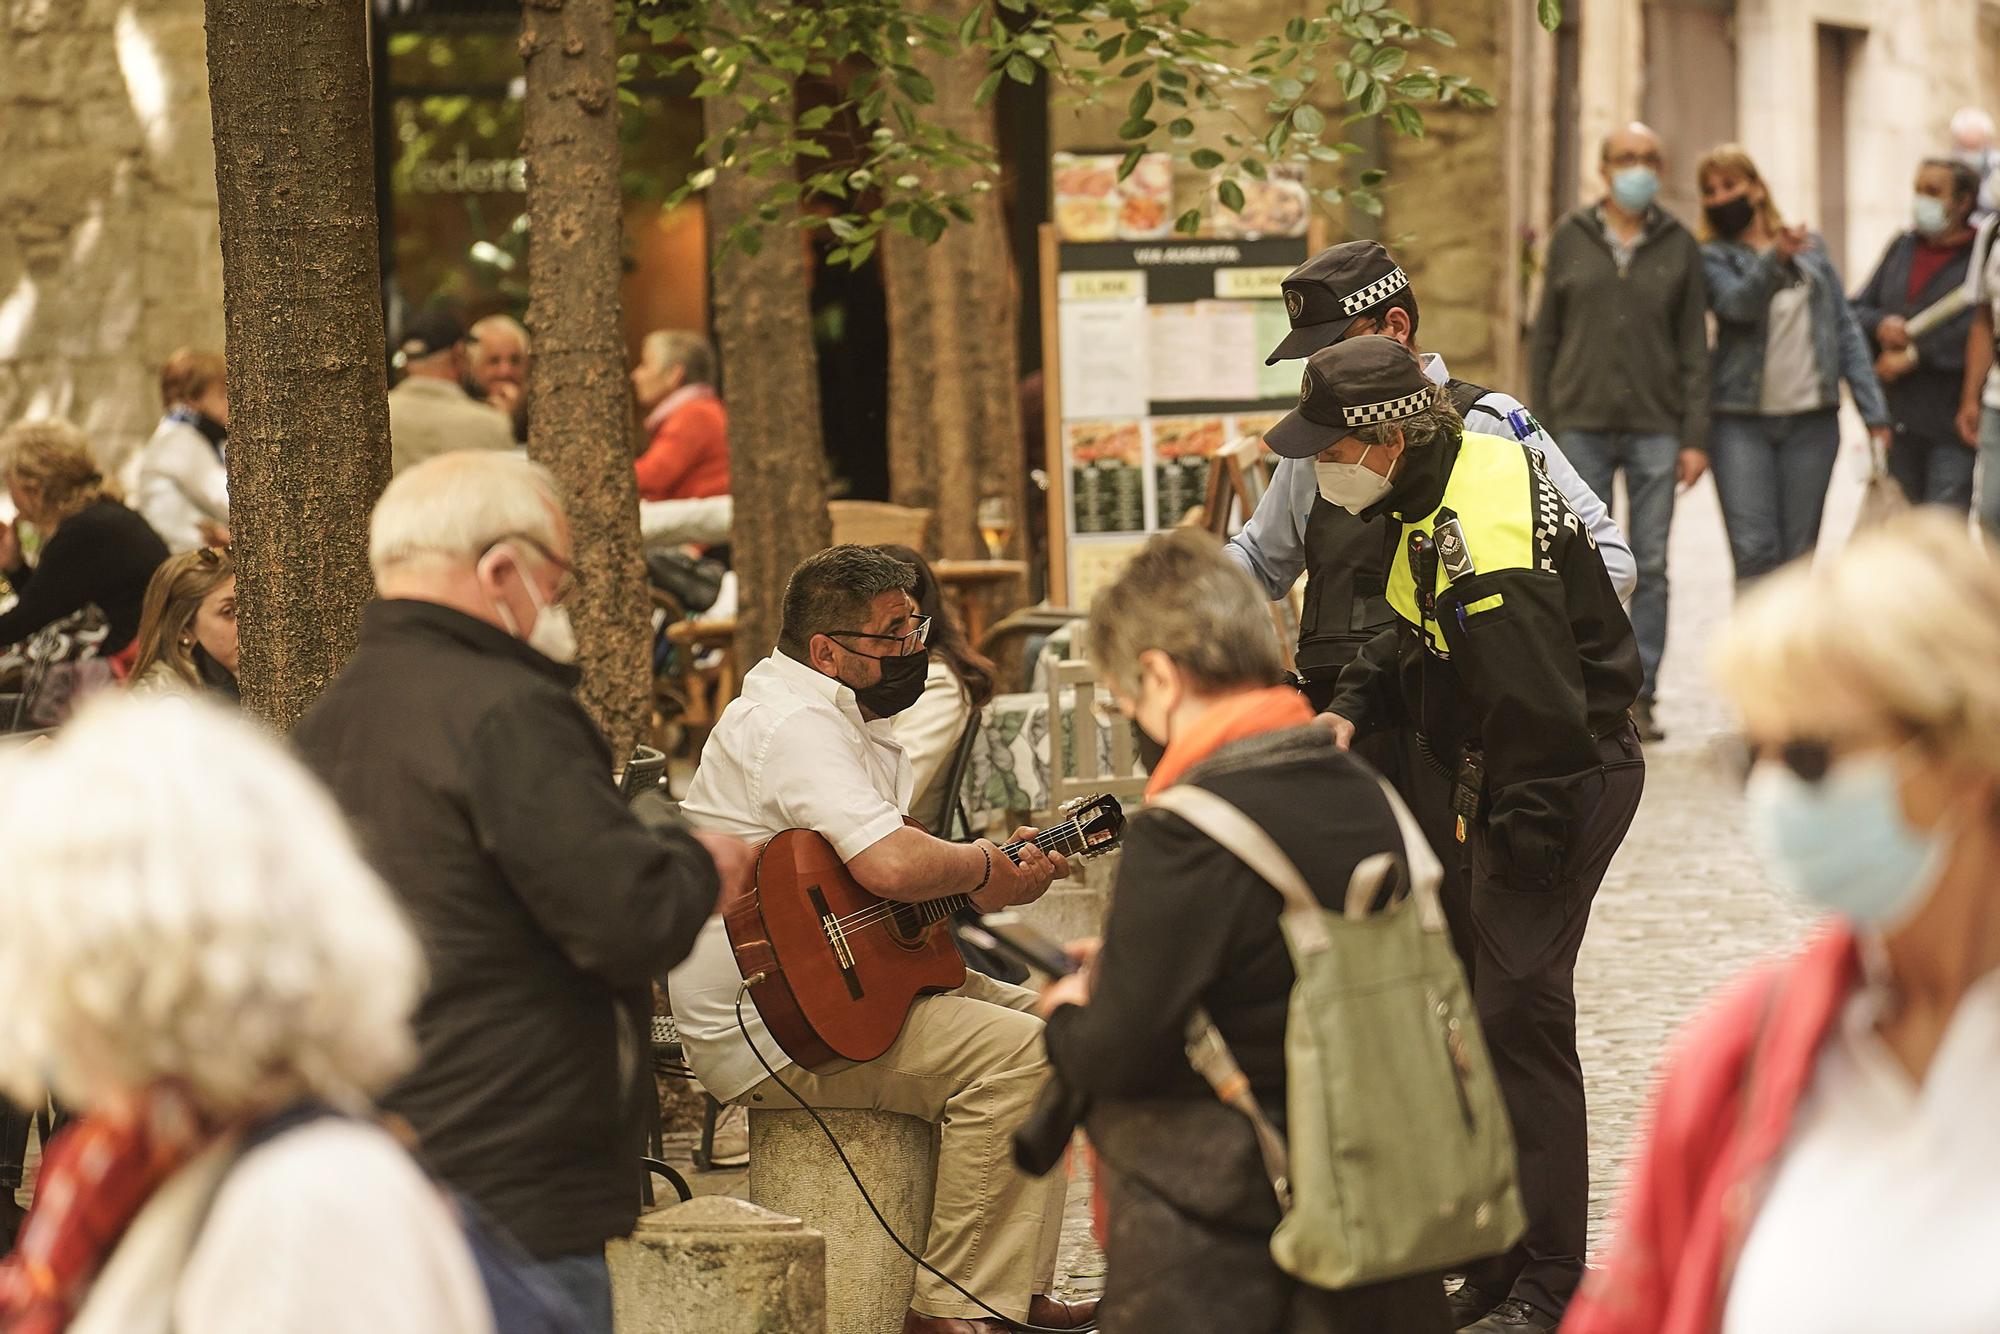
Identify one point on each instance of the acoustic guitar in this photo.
(834, 969)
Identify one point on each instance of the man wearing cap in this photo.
(429, 412)
(1345, 291)
(1512, 660)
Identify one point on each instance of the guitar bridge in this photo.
(837, 939)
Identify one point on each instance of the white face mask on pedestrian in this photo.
(551, 635)
(1352, 486)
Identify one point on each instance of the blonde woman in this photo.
(94, 551)
(1822, 1154)
(1785, 339)
(184, 963)
(187, 632)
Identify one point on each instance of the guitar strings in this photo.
(1047, 840)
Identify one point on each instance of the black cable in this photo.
(868, 1199)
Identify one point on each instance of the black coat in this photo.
(1925, 401)
(482, 792)
(103, 555)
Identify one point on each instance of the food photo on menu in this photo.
(1092, 204)
(1182, 450)
(1107, 485)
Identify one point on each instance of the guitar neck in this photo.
(1065, 838)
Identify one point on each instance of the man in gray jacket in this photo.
(1620, 366)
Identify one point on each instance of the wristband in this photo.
(987, 853)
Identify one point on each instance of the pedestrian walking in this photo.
(1821, 1153)
(1785, 340)
(1620, 367)
(1920, 356)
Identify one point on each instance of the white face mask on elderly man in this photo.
(551, 635)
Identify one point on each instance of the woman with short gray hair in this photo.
(1186, 645)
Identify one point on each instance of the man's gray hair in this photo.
(506, 324)
(666, 348)
(831, 591)
(1433, 425)
(457, 505)
(1183, 596)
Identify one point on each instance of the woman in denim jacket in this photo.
(1785, 339)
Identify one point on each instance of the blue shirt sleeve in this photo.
(1498, 414)
(1272, 545)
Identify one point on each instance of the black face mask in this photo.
(902, 682)
(1151, 752)
(1731, 216)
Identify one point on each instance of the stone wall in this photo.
(109, 252)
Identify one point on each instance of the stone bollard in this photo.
(794, 1170)
(717, 1265)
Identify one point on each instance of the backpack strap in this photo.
(1464, 394)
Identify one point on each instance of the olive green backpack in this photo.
(1401, 1160)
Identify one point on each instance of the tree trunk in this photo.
(777, 462)
(954, 414)
(302, 310)
(580, 422)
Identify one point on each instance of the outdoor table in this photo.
(965, 580)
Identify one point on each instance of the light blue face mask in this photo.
(1843, 843)
(1929, 214)
(1634, 187)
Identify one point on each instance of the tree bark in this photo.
(954, 413)
(777, 461)
(302, 310)
(580, 423)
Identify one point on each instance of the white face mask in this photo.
(552, 635)
(1350, 485)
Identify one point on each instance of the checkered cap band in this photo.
(1368, 414)
(1375, 293)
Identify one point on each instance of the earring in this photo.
(187, 643)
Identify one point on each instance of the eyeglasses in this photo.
(906, 643)
(212, 557)
(568, 582)
(1623, 160)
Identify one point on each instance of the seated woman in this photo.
(190, 966)
(187, 631)
(1821, 1153)
(1185, 644)
(957, 685)
(183, 488)
(95, 551)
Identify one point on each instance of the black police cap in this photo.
(1359, 382)
(1327, 293)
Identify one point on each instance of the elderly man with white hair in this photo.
(483, 794)
(187, 964)
(497, 368)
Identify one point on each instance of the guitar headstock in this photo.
(1098, 822)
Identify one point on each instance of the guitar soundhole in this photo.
(907, 925)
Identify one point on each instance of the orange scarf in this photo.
(1246, 715)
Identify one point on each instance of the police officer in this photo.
(1512, 661)
(1345, 291)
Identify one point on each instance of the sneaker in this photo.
(1513, 1316)
(1642, 718)
(1468, 1304)
(732, 1138)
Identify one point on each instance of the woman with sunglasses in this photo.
(1822, 1154)
(187, 628)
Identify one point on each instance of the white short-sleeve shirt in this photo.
(791, 751)
(1982, 280)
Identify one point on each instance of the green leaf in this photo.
(1188, 223)
(1307, 119)
(987, 87)
(1137, 41)
(1372, 177)
(1020, 69)
(860, 253)
(1131, 161)
(1180, 129)
(1367, 203)
(1388, 59)
(1205, 159)
(1441, 37)
(1288, 90)
(1108, 51)
(1139, 128)
(816, 118)
(1406, 119)
(1331, 195)
(1295, 30)
(969, 25)
(1417, 85)
(1550, 12)
(1231, 196)
(1141, 102)
(1355, 84)
(1373, 99)
(837, 255)
(1478, 97)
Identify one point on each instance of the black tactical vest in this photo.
(1347, 575)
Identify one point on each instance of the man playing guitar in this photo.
(808, 745)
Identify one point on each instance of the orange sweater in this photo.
(688, 456)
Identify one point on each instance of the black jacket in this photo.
(1925, 401)
(482, 793)
(103, 555)
(1541, 663)
(1622, 352)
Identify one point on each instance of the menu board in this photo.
(1156, 351)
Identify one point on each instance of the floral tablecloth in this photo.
(1007, 779)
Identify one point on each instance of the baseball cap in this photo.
(428, 334)
(1327, 293)
(1359, 382)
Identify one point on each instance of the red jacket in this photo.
(688, 457)
(1732, 1085)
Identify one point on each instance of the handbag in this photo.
(1882, 497)
(1401, 1160)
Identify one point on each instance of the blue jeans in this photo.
(586, 1280)
(1771, 474)
(1933, 470)
(1989, 470)
(1648, 461)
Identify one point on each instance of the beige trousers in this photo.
(971, 1061)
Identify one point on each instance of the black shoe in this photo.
(1469, 1304)
(1513, 1316)
(1642, 718)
